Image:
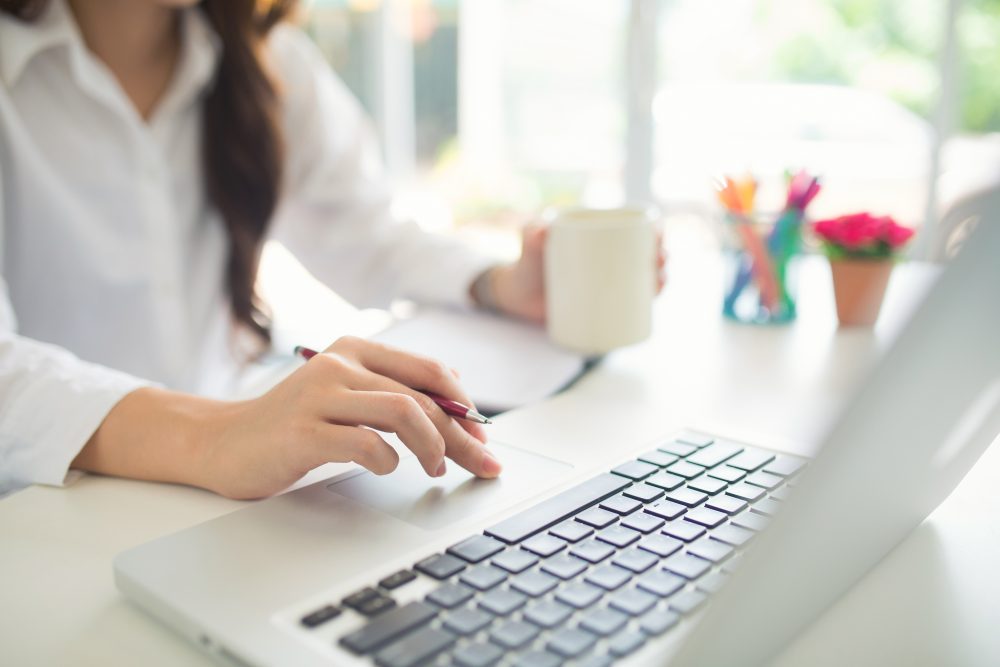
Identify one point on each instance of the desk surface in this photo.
(932, 601)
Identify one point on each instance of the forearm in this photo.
(157, 435)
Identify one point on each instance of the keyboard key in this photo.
(678, 448)
(564, 567)
(726, 504)
(544, 545)
(579, 595)
(635, 560)
(635, 470)
(382, 629)
(592, 551)
(501, 601)
(632, 601)
(714, 454)
(766, 507)
(477, 654)
(686, 601)
(745, 491)
(750, 459)
(687, 566)
(751, 521)
(765, 480)
(559, 507)
(685, 469)
(683, 530)
(483, 577)
(467, 621)
(533, 583)
(440, 566)
(658, 458)
(376, 606)
(570, 643)
(780, 494)
(706, 484)
(657, 622)
(450, 595)
(786, 466)
(726, 474)
(476, 549)
(394, 581)
(621, 505)
(572, 531)
(666, 509)
(516, 560)
(537, 659)
(706, 517)
(625, 643)
(603, 660)
(355, 600)
(548, 613)
(712, 583)
(694, 438)
(665, 481)
(732, 564)
(608, 577)
(733, 535)
(321, 615)
(687, 497)
(643, 492)
(618, 536)
(513, 634)
(661, 545)
(597, 517)
(603, 622)
(414, 649)
(710, 550)
(643, 522)
(661, 583)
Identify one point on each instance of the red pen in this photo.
(450, 407)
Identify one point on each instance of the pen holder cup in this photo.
(760, 274)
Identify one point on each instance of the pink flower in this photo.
(863, 233)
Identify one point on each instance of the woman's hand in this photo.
(518, 289)
(320, 414)
(324, 411)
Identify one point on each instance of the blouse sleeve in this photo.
(335, 214)
(51, 402)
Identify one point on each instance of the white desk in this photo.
(935, 600)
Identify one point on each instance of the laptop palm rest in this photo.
(410, 495)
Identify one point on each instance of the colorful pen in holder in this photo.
(760, 291)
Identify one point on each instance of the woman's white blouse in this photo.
(112, 263)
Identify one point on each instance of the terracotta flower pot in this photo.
(859, 286)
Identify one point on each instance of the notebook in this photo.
(503, 363)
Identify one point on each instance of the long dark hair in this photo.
(242, 143)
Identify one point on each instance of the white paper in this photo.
(503, 363)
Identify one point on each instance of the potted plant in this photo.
(862, 249)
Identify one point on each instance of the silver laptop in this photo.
(613, 558)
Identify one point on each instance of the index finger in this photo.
(418, 372)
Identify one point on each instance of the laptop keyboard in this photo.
(586, 577)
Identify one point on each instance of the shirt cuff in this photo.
(52, 419)
(449, 283)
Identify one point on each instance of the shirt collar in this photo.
(20, 42)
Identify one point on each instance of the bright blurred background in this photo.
(490, 110)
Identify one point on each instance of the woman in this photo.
(147, 150)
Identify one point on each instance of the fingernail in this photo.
(442, 469)
(490, 465)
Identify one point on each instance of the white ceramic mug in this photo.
(600, 277)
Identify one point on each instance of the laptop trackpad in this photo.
(409, 494)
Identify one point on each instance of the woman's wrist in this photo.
(158, 435)
(483, 290)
